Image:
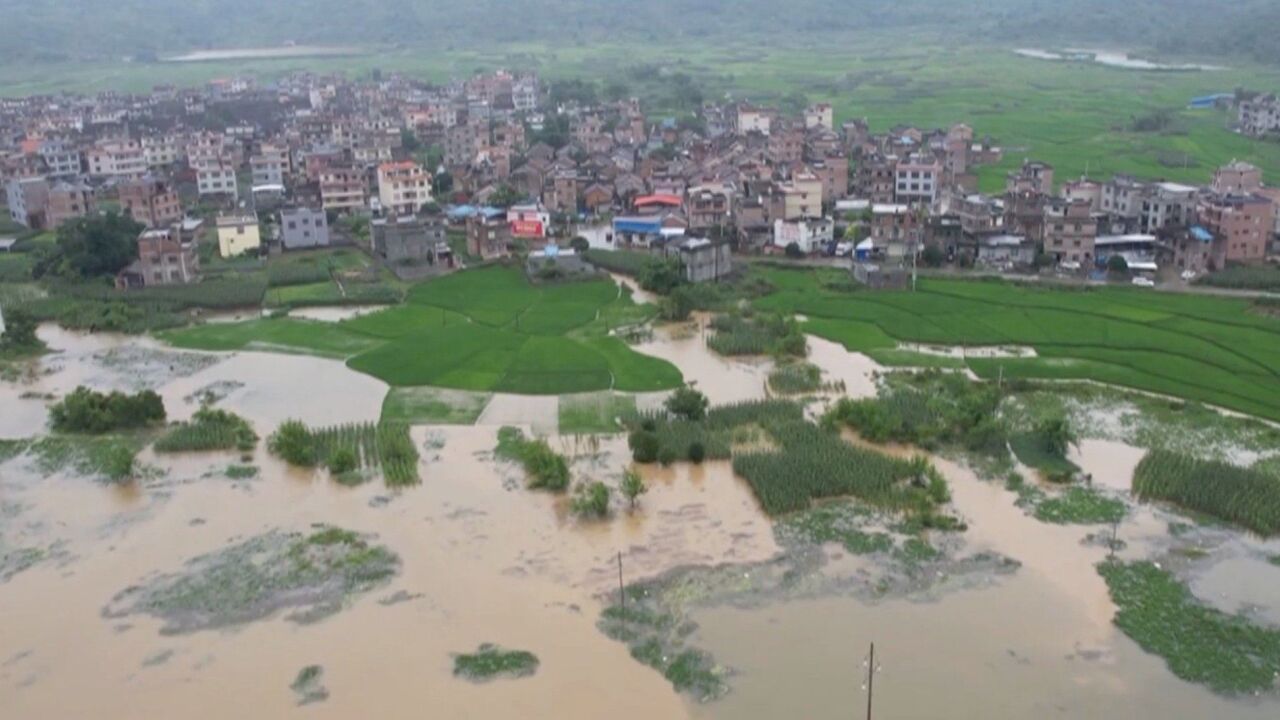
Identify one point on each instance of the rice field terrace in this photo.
(1211, 349)
(482, 330)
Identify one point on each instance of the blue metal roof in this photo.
(1201, 234)
(638, 225)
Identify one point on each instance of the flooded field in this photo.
(480, 559)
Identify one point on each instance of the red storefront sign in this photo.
(527, 228)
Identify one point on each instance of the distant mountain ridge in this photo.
(97, 29)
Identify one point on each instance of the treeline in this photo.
(147, 29)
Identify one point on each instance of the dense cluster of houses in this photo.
(249, 165)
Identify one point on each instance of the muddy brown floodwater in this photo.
(486, 561)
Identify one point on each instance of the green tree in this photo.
(1058, 435)
(697, 452)
(932, 256)
(579, 244)
(19, 330)
(1117, 265)
(632, 487)
(88, 411)
(644, 446)
(91, 247)
(293, 442)
(687, 403)
(793, 251)
(505, 196)
(661, 275)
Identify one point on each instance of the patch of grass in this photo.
(241, 472)
(594, 413)
(209, 429)
(433, 406)
(1244, 496)
(105, 457)
(547, 469)
(1034, 451)
(1227, 653)
(841, 522)
(1080, 506)
(311, 575)
(762, 334)
(490, 662)
(307, 685)
(795, 378)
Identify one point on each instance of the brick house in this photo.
(1241, 226)
(1070, 230)
(151, 202)
(168, 256)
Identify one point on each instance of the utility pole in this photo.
(622, 595)
(872, 669)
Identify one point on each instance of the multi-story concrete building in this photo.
(303, 227)
(269, 166)
(60, 159)
(524, 93)
(238, 233)
(161, 151)
(150, 201)
(1084, 189)
(1241, 226)
(875, 178)
(808, 235)
(1122, 197)
(343, 188)
(916, 180)
(488, 235)
(166, 256)
(750, 118)
(117, 158)
(1236, 178)
(28, 201)
(1164, 205)
(802, 197)
(1259, 115)
(819, 115)
(217, 180)
(1070, 231)
(409, 239)
(68, 201)
(403, 187)
(1033, 176)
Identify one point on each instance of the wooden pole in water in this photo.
(871, 675)
(622, 595)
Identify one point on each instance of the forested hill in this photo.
(93, 29)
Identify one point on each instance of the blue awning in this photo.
(1201, 234)
(638, 225)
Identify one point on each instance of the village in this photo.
(407, 170)
(507, 398)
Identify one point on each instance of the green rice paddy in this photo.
(1196, 347)
(482, 330)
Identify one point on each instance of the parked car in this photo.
(1144, 282)
(1188, 275)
